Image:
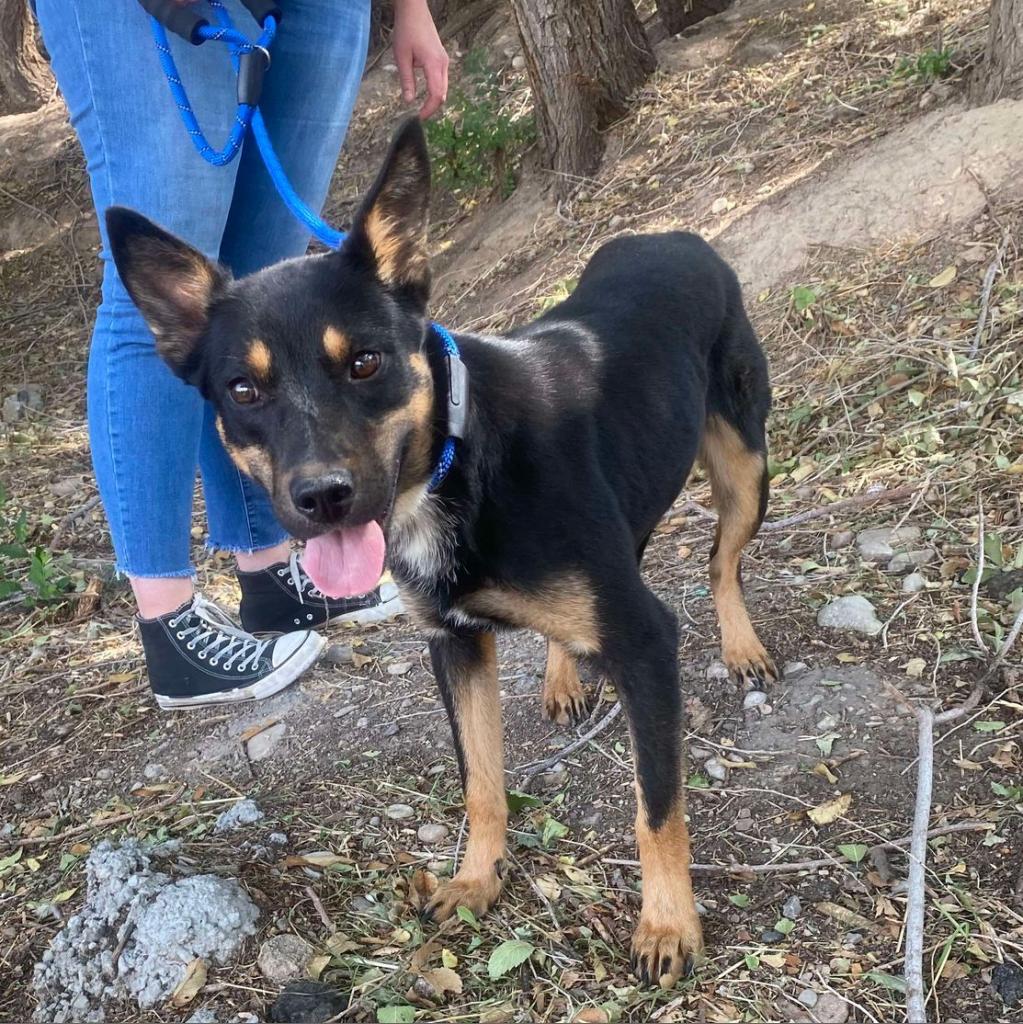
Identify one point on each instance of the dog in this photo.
(580, 430)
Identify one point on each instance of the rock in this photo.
(808, 997)
(277, 839)
(770, 935)
(21, 403)
(831, 1009)
(203, 1016)
(555, 777)
(616, 222)
(518, 62)
(766, 709)
(433, 833)
(1007, 981)
(154, 771)
(880, 544)
(105, 774)
(389, 730)
(718, 670)
(754, 699)
(307, 1002)
(792, 908)
(339, 654)
(263, 743)
(904, 560)
(284, 958)
(399, 668)
(399, 812)
(244, 812)
(914, 583)
(67, 487)
(841, 539)
(850, 612)
(715, 769)
(794, 668)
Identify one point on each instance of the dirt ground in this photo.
(873, 217)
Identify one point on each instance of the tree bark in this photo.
(1000, 75)
(678, 15)
(585, 58)
(25, 79)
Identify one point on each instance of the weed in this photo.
(927, 67)
(478, 143)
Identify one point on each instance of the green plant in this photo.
(926, 67)
(478, 143)
(29, 573)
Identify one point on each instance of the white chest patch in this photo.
(422, 541)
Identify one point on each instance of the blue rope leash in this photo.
(248, 117)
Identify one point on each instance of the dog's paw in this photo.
(751, 665)
(477, 894)
(565, 706)
(663, 951)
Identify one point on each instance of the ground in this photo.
(887, 291)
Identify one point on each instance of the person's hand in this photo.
(417, 45)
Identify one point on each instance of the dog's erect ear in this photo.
(172, 284)
(389, 229)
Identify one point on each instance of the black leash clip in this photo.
(458, 395)
(252, 67)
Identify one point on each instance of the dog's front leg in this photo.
(465, 665)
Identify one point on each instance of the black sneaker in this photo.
(197, 656)
(282, 598)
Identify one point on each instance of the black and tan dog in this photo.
(581, 430)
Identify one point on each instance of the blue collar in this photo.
(457, 402)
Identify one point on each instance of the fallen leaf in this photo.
(317, 859)
(189, 986)
(548, 885)
(943, 279)
(591, 1015)
(915, 667)
(448, 959)
(845, 916)
(507, 956)
(359, 660)
(830, 810)
(821, 769)
(443, 980)
(316, 965)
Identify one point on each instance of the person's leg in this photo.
(144, 423)
(310, 90)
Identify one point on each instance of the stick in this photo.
(785, 867)
(68, 521)
(571, 748)
(980, 572)
(916, 1000)
(321, 910)
(985, 292)
(1007, 644)
(892, 494)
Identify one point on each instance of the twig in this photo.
(985, 293)
(571, 748)
(892, 494)
(1007, 645)
(980, 573)
(89, 826)
(68, 521)
(785, 867)
(321, 910)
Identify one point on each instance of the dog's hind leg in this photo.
(564, 700)
(738, 481)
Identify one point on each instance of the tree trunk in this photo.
(585, 58)
(25, 79)
(678, 15)
(1000, 75)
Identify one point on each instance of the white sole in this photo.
(382, 612)
(279, 679)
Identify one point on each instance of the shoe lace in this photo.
(303, 585)
(208, 628)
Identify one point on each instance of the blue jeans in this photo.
(148, 430)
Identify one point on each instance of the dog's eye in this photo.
(365, 364)
(243, 391)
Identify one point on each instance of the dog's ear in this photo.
(172, 284)
(389, 230)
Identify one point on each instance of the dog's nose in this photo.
(324, 499)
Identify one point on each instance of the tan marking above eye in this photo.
(336, 344)
(258, 359)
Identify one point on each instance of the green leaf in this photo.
(698, 781)
(993, 549)
(826, 742)
(916, 398)
(552, 829)
(752, 962)
(507, 956)
(988, 726)
(784, 925)
(853, 851)
(889, 981)
(396, 1014)
(803, 298)
(740, 899)
(518, 800)
(466, 915)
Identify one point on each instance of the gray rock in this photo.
(284, 958)
(399, 668)
(841, 539)
(770, 935)
(914, 583)
(244, 812)
(307, 1002)
(154, 771)
(851, 612)
(339, 654)
(792, 908)
(432, 833)
(616, 222)
(67, 487)
(880, 544)
(389, 730)
(399, 812)
(904, 560)
(808, 997)
(158, 924)
(1007, 981)
(831, 1009)
(715, 769)
(203, 1016)
(718, 670)
(263, 743)
(754, 699)
(105, 774)
(518, 62)
(277, 839)
(794, 668)
(18, 406)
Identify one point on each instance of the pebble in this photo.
(362, 723)
(518, 62)
(399, 668)
(808, 997)
(154, 771)
(18, 405)
(851, 939)
(904, 560)
(766, 709)
(770, 935)
(203, 1016)
(851, 612)
(391, 729)
(339, 654)
(877, 545)
(105, 774)
(715, 769)
(277, 839)
(307, 1002)
(831, 1009)
(754, 699)
(432, 833)
(1007, 981)
(914, 583)
(792, 908)
(794, 668)
(841, 539)
(399, 812)
(263, 743)
(284, 958)
(718, 670)
(361, 905)
(244, 812)
(616, 222)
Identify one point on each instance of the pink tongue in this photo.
(347, 561)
